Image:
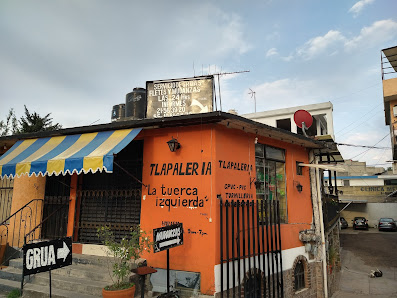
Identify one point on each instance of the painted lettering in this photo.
(180, 169)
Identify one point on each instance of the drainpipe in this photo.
(320, 211)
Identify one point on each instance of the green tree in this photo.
(10, 125)
(33, 122)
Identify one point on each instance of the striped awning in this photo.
(65, 154)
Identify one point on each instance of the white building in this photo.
(284, 118)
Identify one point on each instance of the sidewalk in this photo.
(355, 280)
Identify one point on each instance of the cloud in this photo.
(282, 93)
(330, 42)
(359, 6)
(334, 42)
(271, 52)
(373, 35)
(89, 55)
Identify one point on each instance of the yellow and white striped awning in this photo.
(65, 154)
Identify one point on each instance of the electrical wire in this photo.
(371, 110)
(335, 99)
(362, 146)
(370, 148)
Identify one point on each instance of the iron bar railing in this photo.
(250, 249)
(20, 221)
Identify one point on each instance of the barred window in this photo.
(6, 190)
(299, 274)
(270, 176)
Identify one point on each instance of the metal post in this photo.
(50, 283)
(168, 270)
(221, 241)
(23, 275)
(143, 277)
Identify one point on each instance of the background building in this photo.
(389, 82)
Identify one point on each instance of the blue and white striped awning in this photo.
(65, 154)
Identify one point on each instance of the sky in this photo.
(76, 59)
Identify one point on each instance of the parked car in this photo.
(387, 224)
(343, 223)
(360, 223)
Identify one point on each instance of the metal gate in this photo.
(250, 249)
(56, 205)
(118, 209)
(112, 199)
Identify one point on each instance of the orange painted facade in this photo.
(183, 186)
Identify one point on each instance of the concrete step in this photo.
(8, 285)
(38, 291)
(80, 285)
(85, 272)
(11, 273)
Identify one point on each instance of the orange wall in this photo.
(193, 193)
(218, 146)
(26, 189)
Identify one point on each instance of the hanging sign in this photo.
(47, 255)
(167, 237)
(179, 97)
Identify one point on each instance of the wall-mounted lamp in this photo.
(298, 186)
(173, 144)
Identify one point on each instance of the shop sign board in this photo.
(167, 237)
(47, 255)
(177, 97)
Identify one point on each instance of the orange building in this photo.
(236, 186)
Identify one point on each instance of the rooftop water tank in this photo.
(135, 104)
(118, 112)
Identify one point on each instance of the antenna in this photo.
(253, 95)
(219, 82)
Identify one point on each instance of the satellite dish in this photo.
(303, 120)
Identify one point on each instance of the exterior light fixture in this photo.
(173, 144)
(298, 186)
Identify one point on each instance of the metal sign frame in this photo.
(54, 254)
(167, 237)
(168, 98)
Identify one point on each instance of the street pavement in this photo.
(355, 280)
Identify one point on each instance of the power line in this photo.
(371, 110)
(371, 148)
(363, 146)
(335, 99)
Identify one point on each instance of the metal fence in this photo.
(250, 249)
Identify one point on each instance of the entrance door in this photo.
(56, 206)
(112, 199)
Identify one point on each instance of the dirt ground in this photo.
(377, 249)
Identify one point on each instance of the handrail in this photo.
(42, 222)
(25, 221)
(24, 206)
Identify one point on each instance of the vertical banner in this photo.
(179, 97)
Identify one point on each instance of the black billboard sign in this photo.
(167, 237)
(46, 255)
(179, 97)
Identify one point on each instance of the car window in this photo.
(387, 219)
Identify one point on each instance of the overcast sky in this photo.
(76, 59)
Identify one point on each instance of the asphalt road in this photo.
(376, 249)
(361, 252)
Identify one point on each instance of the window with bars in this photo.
(299, 276)
(270, 176)
(6, 190)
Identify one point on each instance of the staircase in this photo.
(85, 278)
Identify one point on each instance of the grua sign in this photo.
(168, 237)
(47, 255)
